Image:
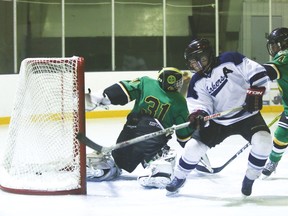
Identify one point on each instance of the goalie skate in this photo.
(158, 173)
(101, 167)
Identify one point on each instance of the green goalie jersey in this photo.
(169, 108)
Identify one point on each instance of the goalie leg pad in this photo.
(158, 173)
(101, 168)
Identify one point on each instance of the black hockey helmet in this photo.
(277, 40)
(170, 79)
(199, 56)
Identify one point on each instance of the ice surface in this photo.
(203, 194)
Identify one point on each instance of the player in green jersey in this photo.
(277, 69)
(158, 105)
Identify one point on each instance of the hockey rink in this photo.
(203, 194)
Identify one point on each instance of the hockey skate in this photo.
(247, 186)
(158, 173)
(101, 167)
(175, 185)
(269, 169)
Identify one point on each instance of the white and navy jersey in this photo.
(225, 88)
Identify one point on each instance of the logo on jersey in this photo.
(219, 84)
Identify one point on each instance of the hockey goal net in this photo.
(42, 154)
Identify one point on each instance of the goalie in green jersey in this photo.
(277, 69)
(158, 105)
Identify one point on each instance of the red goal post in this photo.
(41, 154)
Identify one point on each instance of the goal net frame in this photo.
(56, 166)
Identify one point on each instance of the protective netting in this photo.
(42, 152)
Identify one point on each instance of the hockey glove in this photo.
(197, 119)
(93, 100)
(254, 99)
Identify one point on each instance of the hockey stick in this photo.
(218, 169)
(206, 163)
(85, 140)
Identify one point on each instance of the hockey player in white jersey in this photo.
(221, 83)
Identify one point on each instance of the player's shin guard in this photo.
(261, 148)
(193, 151)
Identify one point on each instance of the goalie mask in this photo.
(199, 56)
(170, 79)
(277, 40)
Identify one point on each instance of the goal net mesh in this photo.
(42, 153)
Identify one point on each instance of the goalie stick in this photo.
(218, 169)
(88, 142)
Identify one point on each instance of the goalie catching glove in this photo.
(254, 99)
(95, 99)
(196, 119)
